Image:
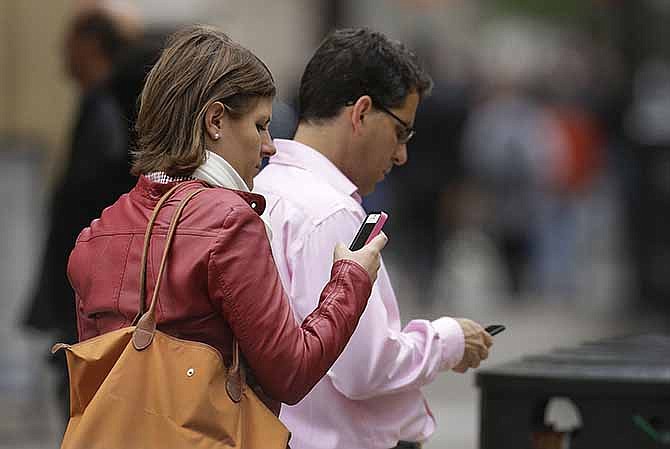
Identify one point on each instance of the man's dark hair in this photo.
(354, 62)
(101, 26)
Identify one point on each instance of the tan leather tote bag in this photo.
(139, 388)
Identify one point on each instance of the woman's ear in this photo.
(361, 108)
(214, 116)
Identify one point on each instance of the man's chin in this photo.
(367, 190)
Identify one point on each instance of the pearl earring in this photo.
(216, 136)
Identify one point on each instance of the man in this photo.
(358, 98)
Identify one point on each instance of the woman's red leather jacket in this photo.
(220, 281)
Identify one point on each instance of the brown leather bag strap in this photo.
(168, 244)
(236, 376)
(146, 325)
(145, 252)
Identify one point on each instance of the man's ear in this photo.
(214, 116)
(361, 108)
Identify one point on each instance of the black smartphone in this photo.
(494, 329)
(372, 225)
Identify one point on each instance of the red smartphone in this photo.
(372, 225)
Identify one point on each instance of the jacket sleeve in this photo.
(286, 358)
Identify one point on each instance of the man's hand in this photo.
(477, 344)
(368, 256)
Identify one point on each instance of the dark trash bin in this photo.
(620, 388)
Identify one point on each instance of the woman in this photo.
(203, 121)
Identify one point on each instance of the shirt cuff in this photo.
(451, 339)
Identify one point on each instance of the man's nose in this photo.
(400, 156)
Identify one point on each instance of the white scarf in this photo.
(218, 172)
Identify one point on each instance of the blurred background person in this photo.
(645, 162)
(435, 173)
(508, 146)
(97, 169)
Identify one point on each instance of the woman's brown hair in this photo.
(199, 66)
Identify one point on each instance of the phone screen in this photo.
(495, 329)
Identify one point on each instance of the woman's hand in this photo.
(368, 256)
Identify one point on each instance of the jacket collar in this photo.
(155, 190)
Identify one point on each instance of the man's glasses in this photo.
(405, 133)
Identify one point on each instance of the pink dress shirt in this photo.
(371, 397)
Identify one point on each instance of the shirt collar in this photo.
(296, 154)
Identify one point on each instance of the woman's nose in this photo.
(267, 146)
